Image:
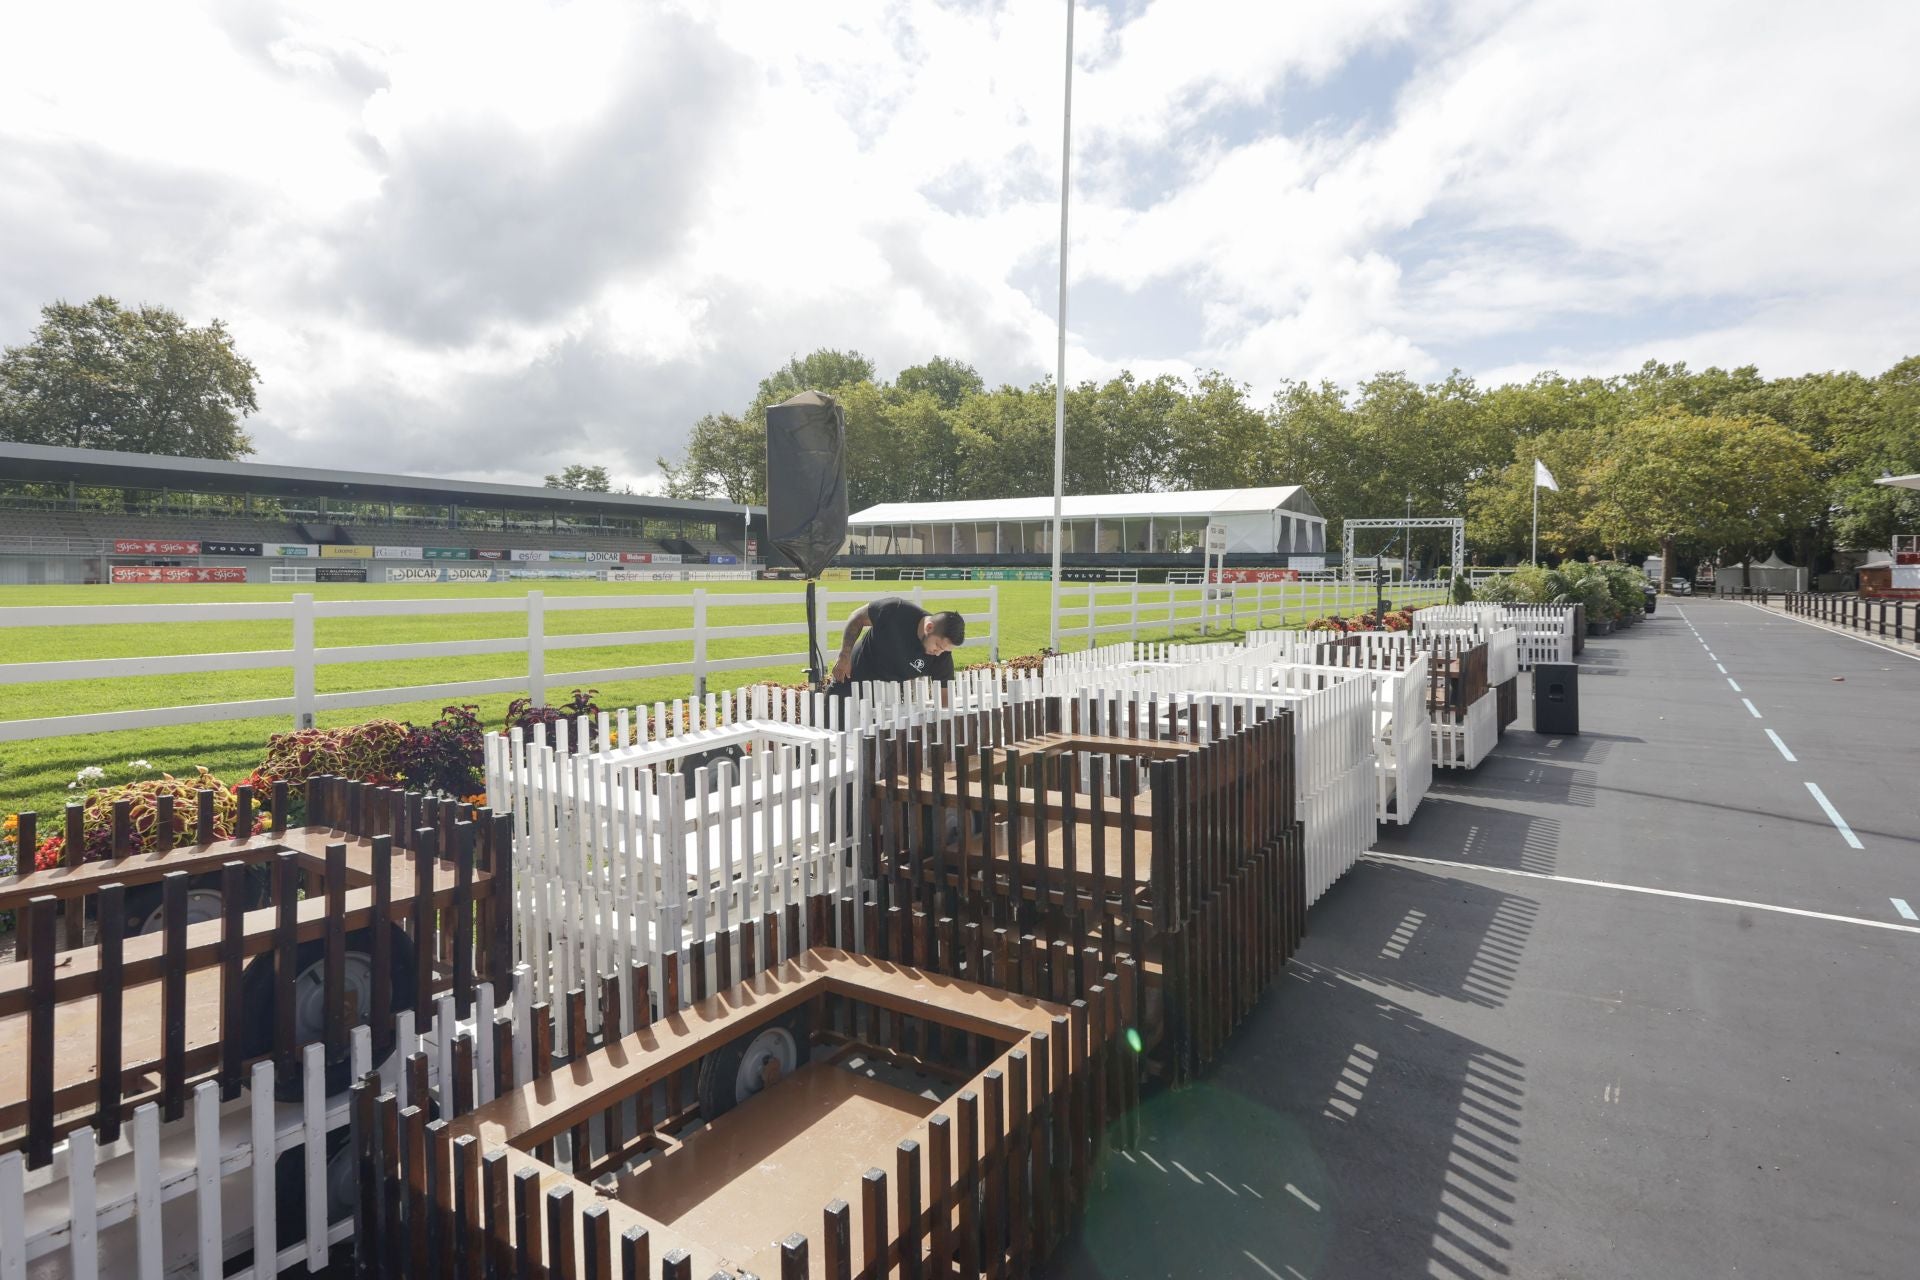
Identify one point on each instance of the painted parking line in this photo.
(1783, 747)
(1736, 688)
(1906, 912)
(1723, 670)
(1752, 708)
(1833, 815)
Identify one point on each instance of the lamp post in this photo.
(1060, 360)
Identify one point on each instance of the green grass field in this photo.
(34, 774)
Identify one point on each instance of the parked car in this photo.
(1679, 587)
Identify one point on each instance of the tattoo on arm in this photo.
(855, 625)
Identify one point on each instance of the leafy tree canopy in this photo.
(98, 375)
(578, 475)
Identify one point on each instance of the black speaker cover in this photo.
(1556, 698)
(807, 480)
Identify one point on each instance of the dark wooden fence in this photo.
(1895, 619)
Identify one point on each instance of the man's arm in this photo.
(843, 665)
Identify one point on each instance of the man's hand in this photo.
(842, 668)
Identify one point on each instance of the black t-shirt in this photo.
(891, 648)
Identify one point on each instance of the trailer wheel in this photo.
(145, 905)
(736, 1071)
(290, 1189)
(257, 1000)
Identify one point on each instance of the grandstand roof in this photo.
(1193, 502)
(49, 464)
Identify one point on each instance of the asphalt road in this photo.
(1496, 1070)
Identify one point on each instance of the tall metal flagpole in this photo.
(1060, 364)
(1534, 556)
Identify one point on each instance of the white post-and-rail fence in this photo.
(305, 658)
(1089, 611)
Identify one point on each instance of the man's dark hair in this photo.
(951, 626)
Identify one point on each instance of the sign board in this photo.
(1256, 575)
(345, 551)
(1216, 539)
(528, 557)
(1307, 564)
(489, 554)
(568, 555)
(469, 575)
(399, 553)
(666, 557)
(413, 575)
(339, 573)
(753, 548)
(445, 553)
(289, 550)
(229, 548)
(551, 573)
(723, 559)
(603, 557)
(635, 557)
(642, 575)
(178, 573)
(1012, 575)
(154, 547)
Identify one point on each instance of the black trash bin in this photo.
(1556, 699)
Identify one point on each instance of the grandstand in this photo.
(72, 515)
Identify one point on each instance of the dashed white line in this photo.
(1906, 912)
(1263, 1266)
(1736, 688)
(1182, 1168)
(1723, 670)
(1250, 1191)
(1783, 747)
(1304, 1198)
(1224, 1187)
(1752, 708)
(1833, 814)
(1155, 1163)
(1641, 888)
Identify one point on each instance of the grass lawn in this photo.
(34, 774)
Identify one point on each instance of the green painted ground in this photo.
(35, 774)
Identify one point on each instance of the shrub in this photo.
(145, 798)
(368, 752)
(523, 715)
(445, 756)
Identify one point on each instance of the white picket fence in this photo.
(1089, 611)
(1541, 633)
(1464, 743)
(181, 1198)
(305, 658)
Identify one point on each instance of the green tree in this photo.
(578, 475)
(823, 370)
(98, 375)
(947, 381)
(725, 458)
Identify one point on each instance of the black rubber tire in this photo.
(290, 1190)
(257, 999)
(716, 1089)
(143, 900)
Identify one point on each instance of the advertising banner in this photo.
(154, 547)
(1257, 575)
(413, 575)
(753, 548)
(666, 557)
(178, 573)
(1011, 575)
(469, 575)
(289, 550)
(723, 559)
(339, 573)
(528, 557)
(780, 575)
(946, 575)
(490, 554)
(229, 548)
(642, 575)
(635, 557)
(1083, 575)
(1307, 564)
(445, 553)
(518, 574)
(569, 555)
(604, 557)
(719, 575)
(344, 551)
(399, 553)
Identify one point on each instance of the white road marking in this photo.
(1834, 814)
(1751, 707)
(1736, 688)
(1155, 1163)
(1224, 1187)
(1723, 670)
(1808, 622)
(1182, 1168)
(1304, 1198)
(1640, 888)
(1783, 747)
(1250, 1191)
(1900, 905)
(1263, 1266)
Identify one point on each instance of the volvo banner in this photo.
(229, 548)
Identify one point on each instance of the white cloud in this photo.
(493, 237)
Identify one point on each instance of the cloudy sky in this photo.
(486, 238)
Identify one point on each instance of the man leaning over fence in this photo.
(902, 642)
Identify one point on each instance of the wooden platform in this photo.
(740, 1185)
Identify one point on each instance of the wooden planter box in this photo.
(845, 1166)
(1142, 841)
(103, 1028)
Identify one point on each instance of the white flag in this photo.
(1543, 477)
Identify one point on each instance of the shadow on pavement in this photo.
(1344, 1135)
(1459, 831)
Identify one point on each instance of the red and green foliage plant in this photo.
(370, 751)
(523, 715)
(145, 798)
(447, 755)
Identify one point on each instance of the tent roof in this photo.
(1194, 502)
(1901, 482)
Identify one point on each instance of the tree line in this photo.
(1706, 463)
